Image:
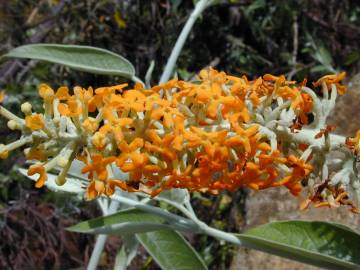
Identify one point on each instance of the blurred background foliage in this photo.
(305, 38)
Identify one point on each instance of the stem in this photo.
(98, 248)
(10, 116)
(18, 143)
(204, 228)
(149, 74)
(156, 211)
(137, 80)
(101, 239)
(169, 68)
(307, 136)
(190, 208)
(193, 221)
(221, 235)
(197, 224)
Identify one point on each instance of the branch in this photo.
(169, 68)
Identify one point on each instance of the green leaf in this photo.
(127, 252)
(171, 251)
(83, 58)
(322, 244)
(323, 56)
(320, 68)
(128, 221)
(352, 58)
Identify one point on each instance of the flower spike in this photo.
(222, 132)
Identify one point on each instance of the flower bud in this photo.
(26, 108)
(13, 125)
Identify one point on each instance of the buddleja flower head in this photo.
(219, 133)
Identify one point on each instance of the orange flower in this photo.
(102, 95)
(167, 113)
(35, 121)
(271, 159)
(71, 109)
(196, 137)
(354, 143)
(202, 136)
(115, 126)
(82, 94)
(179, 130)
(212, 75)
(98, 165)
(243, 136)
(130, 152)
(46, 92)
(160, 145)
(112, 183)
(107, 90)
(333, 79)
(90, 125)
(212, 165)
(62, 93)
(179, 179)
(166, 86)
(251, 176)
(95, 189)
(40, 169)
(300, 170)
(36, 154)
(99, 140)
(131, 100)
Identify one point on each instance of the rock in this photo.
(346, 115)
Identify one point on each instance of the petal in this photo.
(41, 171)
(35, 121)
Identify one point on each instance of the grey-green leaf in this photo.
(127, 221)
(72, 185)
(121, 259)
(171, 251)
(173, 195)
(83, 58)
(322, 244)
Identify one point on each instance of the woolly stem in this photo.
(169, 68)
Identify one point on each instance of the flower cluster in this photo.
(218, 133)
